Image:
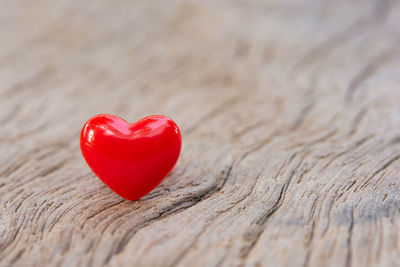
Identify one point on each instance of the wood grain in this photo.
(291, 130)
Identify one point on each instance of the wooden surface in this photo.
(290, 113)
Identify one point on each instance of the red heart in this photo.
(132, 159)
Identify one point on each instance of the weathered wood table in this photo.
(290, 113)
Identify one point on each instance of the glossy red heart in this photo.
(132, 159)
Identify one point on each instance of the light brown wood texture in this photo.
(290, 113)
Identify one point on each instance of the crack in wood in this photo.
(350, 238)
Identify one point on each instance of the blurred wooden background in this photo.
(290, 113)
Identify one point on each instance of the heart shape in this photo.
(131, 159)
